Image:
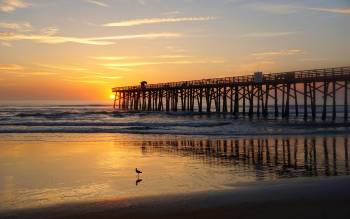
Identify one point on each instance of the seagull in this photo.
(137, 171)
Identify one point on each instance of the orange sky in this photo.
(78, 50)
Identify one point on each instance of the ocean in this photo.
(59, 154)
(103, 119)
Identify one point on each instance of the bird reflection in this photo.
(138, 180)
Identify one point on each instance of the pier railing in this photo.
(315, 74)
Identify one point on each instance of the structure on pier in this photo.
(258, 94)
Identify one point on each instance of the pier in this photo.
(259, 94)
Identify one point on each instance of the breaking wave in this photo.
(102, 119)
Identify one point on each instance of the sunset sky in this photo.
(80, 49)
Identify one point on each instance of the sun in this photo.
(111, 96)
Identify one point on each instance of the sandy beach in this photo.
(296, 198)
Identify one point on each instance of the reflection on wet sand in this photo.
(269, 157)
(138, 180)
(42, 170)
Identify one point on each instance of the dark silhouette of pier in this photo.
(258, 94)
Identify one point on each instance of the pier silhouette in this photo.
(258, 94)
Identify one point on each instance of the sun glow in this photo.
(112, 96)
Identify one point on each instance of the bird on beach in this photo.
(138, 171)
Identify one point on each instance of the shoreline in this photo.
(290, 198)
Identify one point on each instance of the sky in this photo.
(70, 50)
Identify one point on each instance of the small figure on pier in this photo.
(143, 84)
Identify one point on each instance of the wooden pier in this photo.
(278, 94)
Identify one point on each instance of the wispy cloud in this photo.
(50, 31)
(78, 80)
(275, 8)
(6, 44)
(21, 27)
(114, 58)
(267, 34)
(11, 5)
(40, 73)
(253, 66)
(278, 53)
(98, 3)
(63, 68)
(108, 40)
(173, 56)
(333, 10)
(119, 58)
(11, 67)
(136, 64)
(109, 77)
(137, 22)
(290, 9)
(172, 12)
(314, 59)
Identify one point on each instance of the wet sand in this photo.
(291, 198)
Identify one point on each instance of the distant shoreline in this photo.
(291, 198)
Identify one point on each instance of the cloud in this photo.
(248, 68)
(40, 73)
(78, 80)
(54, 39)
(21, 27)
(94, 81)
(275, 8)
(50, 31)
(267, 34)
(119, 58)
(291, 9)
(136, 64)
(278, 53)
(313, 59)
(172, 12)
(333, 10)
(11, 67)
(172, 56)
(109, 77)
(137, 22)
(114, 58)
(11, 5)
(6, 44)
(63, 68)
(98, 3)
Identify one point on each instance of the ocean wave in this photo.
(157, 131)
(65, 114)
(120, 124)
(62, 114)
